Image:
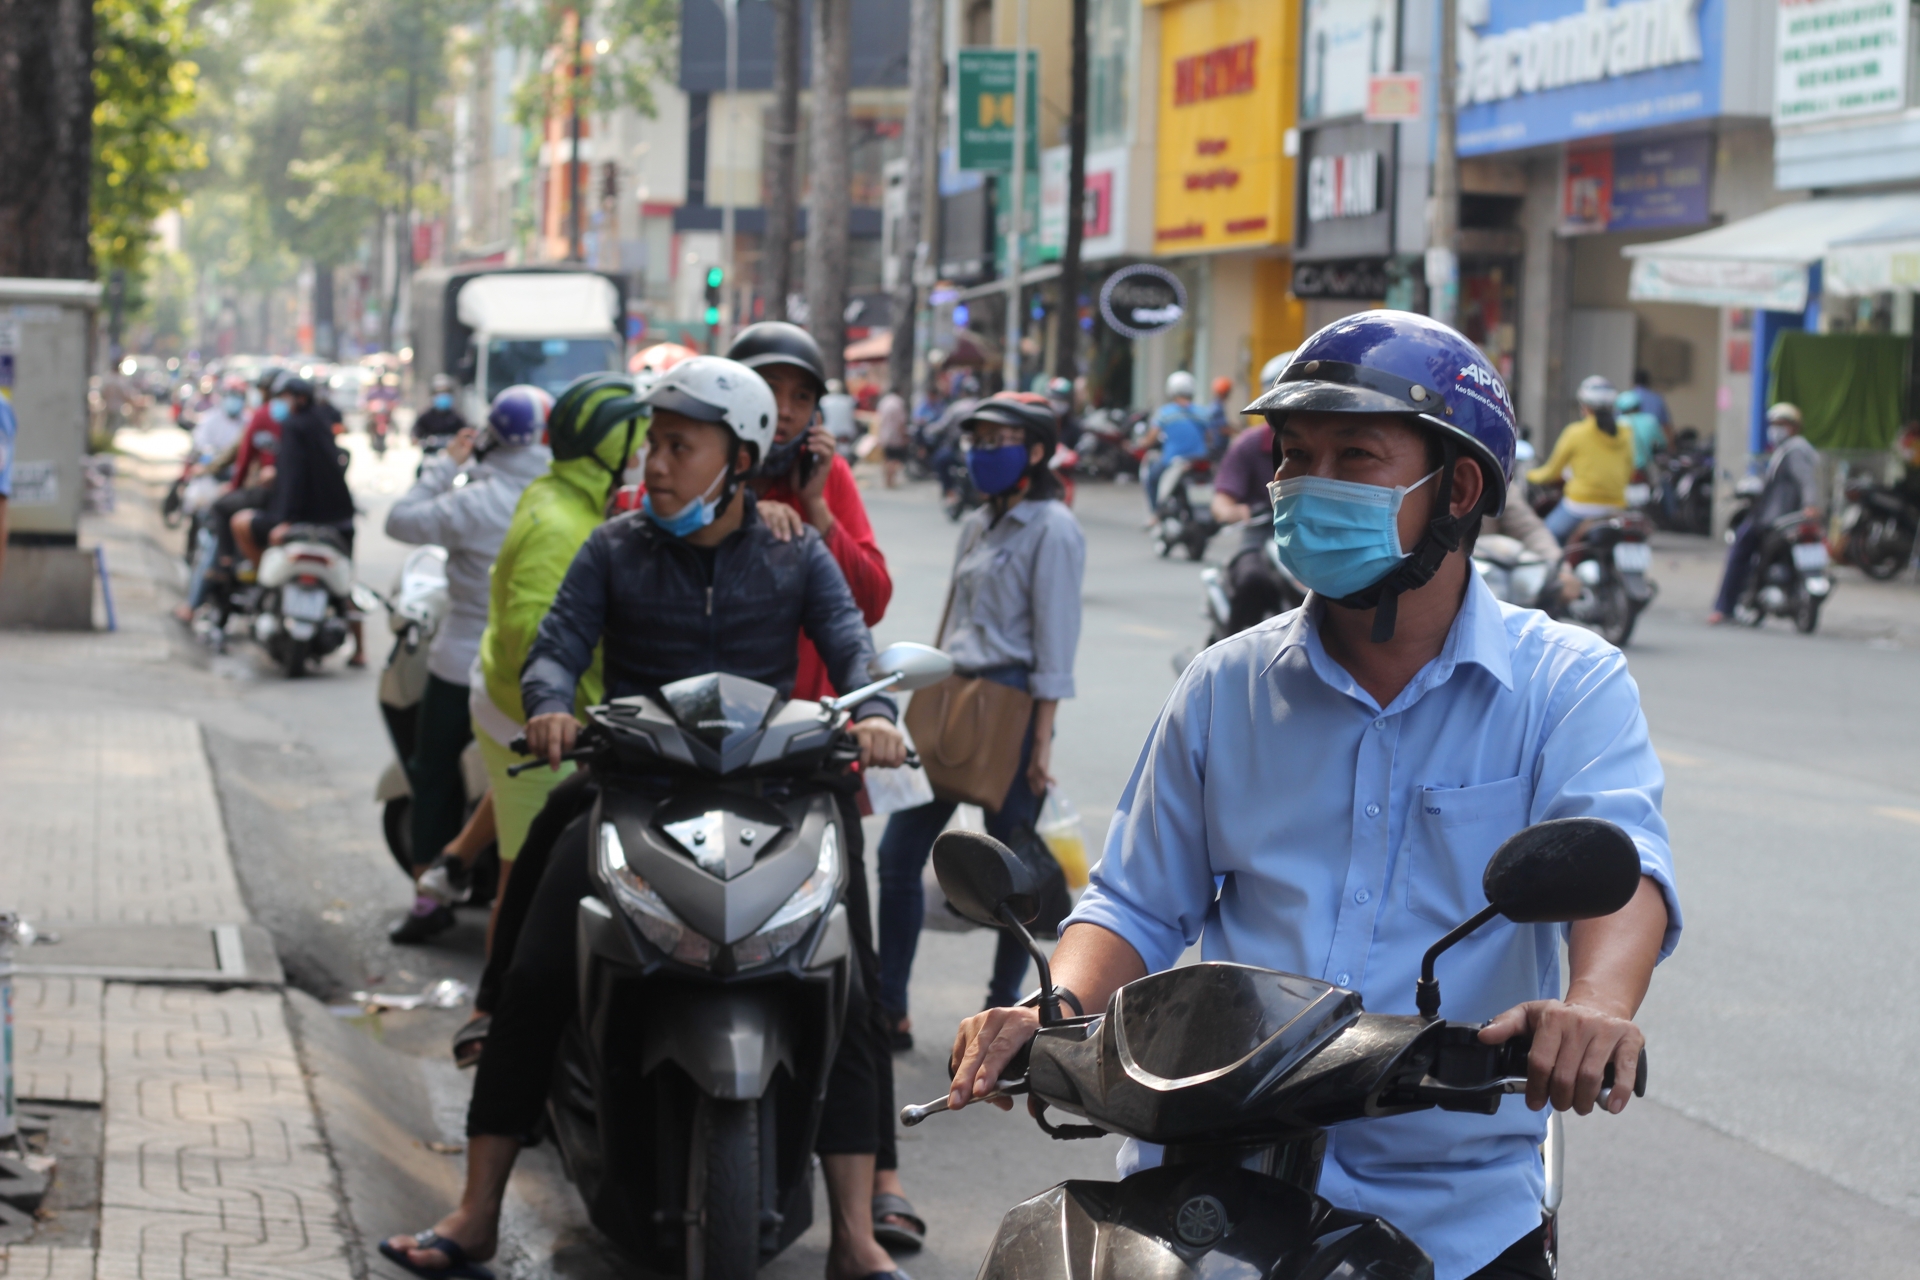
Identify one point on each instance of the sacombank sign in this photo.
(1539, 71)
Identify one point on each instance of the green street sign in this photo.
(985, 110)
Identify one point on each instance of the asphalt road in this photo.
(1779, 1134)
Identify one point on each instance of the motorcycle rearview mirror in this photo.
(1550, 873)
(910, 666)
(989, 885)
(904, 667)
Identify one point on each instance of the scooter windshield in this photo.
(1184, 1025)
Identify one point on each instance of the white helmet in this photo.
(715, 389)
(1179, 383)
(1597, 393)
(1784, 412)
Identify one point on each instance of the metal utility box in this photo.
(46, 334)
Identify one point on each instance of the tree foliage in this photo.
(641, 46)
(145, 83)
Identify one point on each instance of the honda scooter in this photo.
(301, 597)
(1787, 577)
(714, 965)
(1238, 1072)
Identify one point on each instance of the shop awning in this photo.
(1882, 260)
(1761, 262)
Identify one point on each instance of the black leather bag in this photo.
(1056, 900)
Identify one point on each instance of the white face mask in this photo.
(1776, 435)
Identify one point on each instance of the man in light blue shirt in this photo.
(1322, 793)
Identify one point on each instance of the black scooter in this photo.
(1879, 527)
(1239, 1071)
(714, 965)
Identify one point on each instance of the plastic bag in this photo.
(891, 790)
(1059, 826)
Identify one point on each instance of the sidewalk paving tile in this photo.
(57, 1040)
(38, 1262)
(119, 813)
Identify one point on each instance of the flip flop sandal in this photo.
(458, 1268)
(470, 1040)
(894, 1234)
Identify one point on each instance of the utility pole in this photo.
(923, 84)
(831, 181)
(578, 33)
(782, 150)
(1066, 359)
(730, 289)
(1016, 253)
(1443, 224)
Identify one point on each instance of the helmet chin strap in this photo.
(1417, 568)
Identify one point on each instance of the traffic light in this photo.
(715, 278)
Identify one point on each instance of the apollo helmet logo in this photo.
(1485, 378)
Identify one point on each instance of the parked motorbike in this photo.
(1878, 528)
(1682, 481)
(1239, 1071)
(1103, 442)
(1183, 522)
(416, 607)
(300, 597)
(1218, 584)
(714, 963)
(1610, 558)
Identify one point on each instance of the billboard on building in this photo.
(1838, 58)
(1534, 72)
(1346, 42)
(1227, 98)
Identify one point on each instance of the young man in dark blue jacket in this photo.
(692, 583)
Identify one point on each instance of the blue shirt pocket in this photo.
(1451, 839)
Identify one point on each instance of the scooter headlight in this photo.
(797, 915)
(658, 922)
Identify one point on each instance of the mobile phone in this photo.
(803, 469)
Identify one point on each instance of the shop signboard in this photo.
(1540, 71)
(1142, 300)
(1347, 42)
(1227, 97)
(1636, 186)
(1351, 279)
(983, 122)
(1395, 98)
(1835, 58)
(1346, 192)
(1101, 232)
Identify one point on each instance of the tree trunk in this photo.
(1066, 357)
(326, 342)
(46, 138)
(923, 89)
(783, 145)
(832, 177)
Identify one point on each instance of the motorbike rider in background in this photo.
(1178, 430)
(309, 486)
(804, 482)
(470, 520)
(439, 420)
(1649, 437)
(1792, 483)
(1406, 706)
(216, 441)
(1600, 456)
(1220, 428)
(693, 583)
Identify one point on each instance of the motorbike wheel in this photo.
(1881, 553)
(293, 658)
(723, 1191)
(1806, 611)
(1617, 614)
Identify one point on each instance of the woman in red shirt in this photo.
(804, 481)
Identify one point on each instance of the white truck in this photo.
(494, 327)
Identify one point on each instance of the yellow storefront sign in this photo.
(1227, 97)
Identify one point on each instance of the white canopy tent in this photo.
(1761, 262)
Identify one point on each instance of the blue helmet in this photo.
(1628, 401)
(519, 416)
(1399, 362)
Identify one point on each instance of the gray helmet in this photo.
(1597, 393)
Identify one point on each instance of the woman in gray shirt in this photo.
(1014, 619)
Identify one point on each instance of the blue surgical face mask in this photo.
(1335, 536)
(443, 401)
(278, 410)
(997, 470)
(233, 405)
(693, 517)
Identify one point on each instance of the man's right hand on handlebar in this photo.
(982, 1048)
(551, 736)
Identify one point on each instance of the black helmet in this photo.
(268, 376)
(1021, 409)
(777, 342)
(290, 383)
